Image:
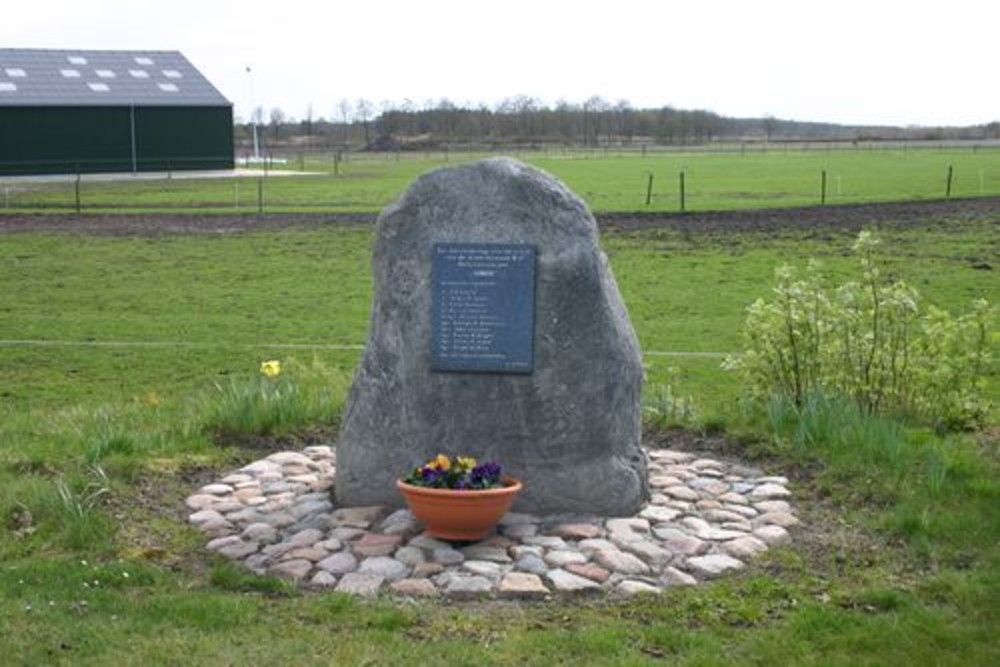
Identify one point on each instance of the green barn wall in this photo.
(60, 140)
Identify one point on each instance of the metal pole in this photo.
(131, 118)
(822, 189)
(682, 192)
(260, 196)
(947, 189)
(649, 188)
(78, 188)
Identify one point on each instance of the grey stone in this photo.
(773, 535)
(521, 530)
(564, 557)
(411, 556)
(518, 519)
(339, 563)
(323, 579)
(306, 538)
(312, 554)
(222, 542)
(206, 516)
(363, 585)
(681, 493)
(713, 565)
(772, 506)
(659, 514)
(427, 569)
(239, 550)
(382, 566)
(769, 491)
(425, 541)
(567, 582)
(479, 552)
(596, 544)
(547, 541)
(618, 561)
(399, 413)
(631, 588)
(674, 577)
(531, 563)
(200, 501)
(217, 489)
(783, 519)
(685, 545)
(522, 586)
(417, 588)
(744, 547)
(483, 568)
(468, 588)
(521, 550)
(448, 556)
(649, 551)
(216, 527)
(296, 570)
(360, 517)
(261, 532)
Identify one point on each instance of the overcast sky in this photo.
(912, 62)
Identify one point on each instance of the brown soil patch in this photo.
(841, 218)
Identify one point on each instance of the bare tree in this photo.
(344, 108)
(277, 120)
(364, 110)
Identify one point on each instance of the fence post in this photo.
(822, 189)
(947, 187)
(260, 196)
(78, 207)
(682, 192)
(649, 188)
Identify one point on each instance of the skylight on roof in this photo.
(99, 87)
(8, 87)
(172, 74)
(70, 73)
(15, 72)
(139, 73)
(142, 60)
(76, 60)
(104, 73)
(168, 87)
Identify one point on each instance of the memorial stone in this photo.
(497, 331)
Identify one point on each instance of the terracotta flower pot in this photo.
(459, 515)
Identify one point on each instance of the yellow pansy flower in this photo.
(465, 463)
(442, 462)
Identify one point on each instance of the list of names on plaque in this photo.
(483, 307)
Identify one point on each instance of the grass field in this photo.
(99, 444)
(614, 183)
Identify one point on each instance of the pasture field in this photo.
(609, 183)
(117, 350)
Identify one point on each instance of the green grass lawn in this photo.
(613, 183)
(893, 567)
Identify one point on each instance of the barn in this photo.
(109, 111)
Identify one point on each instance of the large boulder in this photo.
(570, 428)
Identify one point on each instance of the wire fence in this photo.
(611, 179)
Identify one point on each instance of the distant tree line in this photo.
(524, 121)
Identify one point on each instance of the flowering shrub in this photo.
(459, 472)
(869, 341)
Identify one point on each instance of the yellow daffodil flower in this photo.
(270, 369)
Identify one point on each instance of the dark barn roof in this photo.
(56, 77)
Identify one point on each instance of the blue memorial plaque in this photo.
(483, 308)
